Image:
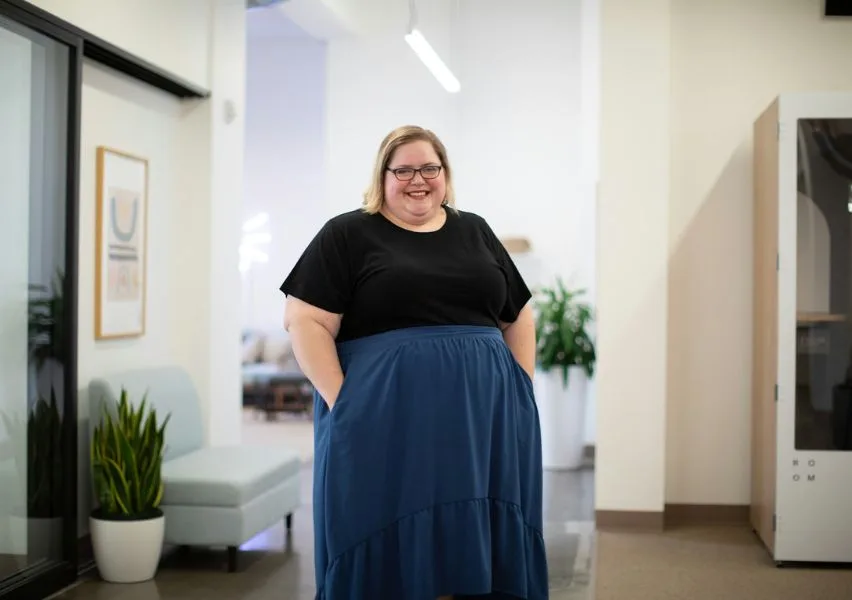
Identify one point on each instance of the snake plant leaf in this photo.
(127, 454)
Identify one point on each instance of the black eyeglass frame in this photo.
(414, 172)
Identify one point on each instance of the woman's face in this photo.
(418, 199)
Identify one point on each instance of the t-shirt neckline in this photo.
(447, 211)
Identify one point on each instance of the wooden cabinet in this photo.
(802, 342)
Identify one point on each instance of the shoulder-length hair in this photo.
(374, 197)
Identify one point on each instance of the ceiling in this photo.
(270, 22)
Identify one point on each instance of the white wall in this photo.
(15, 106)
(632, 255)
(682, 83)
(717, 90)
(519, 143)
(227, 60)
(284, 153)
(195, 203)
(175, 36)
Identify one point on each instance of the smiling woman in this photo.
(412, 322)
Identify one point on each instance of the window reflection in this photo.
(34, 73)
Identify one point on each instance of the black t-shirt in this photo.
(382, 277)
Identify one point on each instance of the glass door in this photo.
(823, 414)
(38, 453)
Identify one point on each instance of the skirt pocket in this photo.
(522, 373)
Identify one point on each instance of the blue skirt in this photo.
(427, 473)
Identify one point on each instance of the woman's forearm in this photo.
(520, 337)
(316, 354)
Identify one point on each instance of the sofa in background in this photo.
(272, 380)
(214, 496)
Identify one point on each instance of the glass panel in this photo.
(824, 274)
(33, 114)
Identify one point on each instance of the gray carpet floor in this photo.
(706, 563)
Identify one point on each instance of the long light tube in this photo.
(433, 62)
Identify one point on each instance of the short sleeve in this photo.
(321, 277)
(517, 292)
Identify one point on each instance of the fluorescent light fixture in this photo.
(433, 62)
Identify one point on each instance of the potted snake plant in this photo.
(565, 357)
(128, 527)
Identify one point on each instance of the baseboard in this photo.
(629, 520)
(679, 515)
(675, 515)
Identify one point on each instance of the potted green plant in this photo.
(127, 527)
(565, 359)
(37, 443)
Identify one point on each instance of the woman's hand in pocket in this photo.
(332, 401)
(313, 331)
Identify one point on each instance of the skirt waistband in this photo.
(390, 339)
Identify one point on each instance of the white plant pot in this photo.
(562, 413)
(127, 551)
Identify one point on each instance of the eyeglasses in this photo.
(407, 173)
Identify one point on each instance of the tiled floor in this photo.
(275, 566)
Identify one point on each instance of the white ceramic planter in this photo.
(127, 551)
(562, 412)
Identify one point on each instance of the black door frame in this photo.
(50, 577)
(44, 580)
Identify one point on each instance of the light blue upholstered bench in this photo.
(214, 496)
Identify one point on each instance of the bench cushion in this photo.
(227, 476)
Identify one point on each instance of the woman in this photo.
(413, 324)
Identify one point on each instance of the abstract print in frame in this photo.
(121, 244)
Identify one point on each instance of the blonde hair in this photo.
(374, 197)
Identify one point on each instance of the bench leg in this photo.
(232, 559)
(289, 521)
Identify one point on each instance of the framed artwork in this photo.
(121, 244)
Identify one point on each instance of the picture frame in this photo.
(121, 244)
